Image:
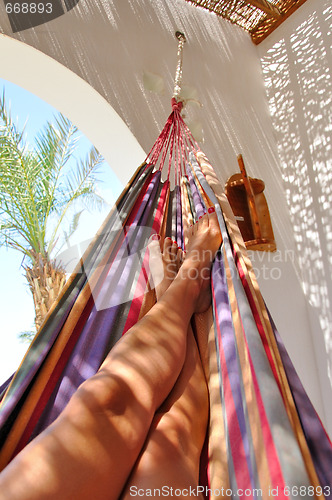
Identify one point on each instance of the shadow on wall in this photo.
(297, 75)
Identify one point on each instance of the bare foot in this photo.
(204, 241)
(164, 263)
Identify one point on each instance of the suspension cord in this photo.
(178, 75)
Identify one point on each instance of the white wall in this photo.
(296, 62)
(110, 43)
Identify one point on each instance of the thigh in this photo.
(170, 458)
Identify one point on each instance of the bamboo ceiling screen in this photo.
(258, 17)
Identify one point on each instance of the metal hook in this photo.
(180, 36)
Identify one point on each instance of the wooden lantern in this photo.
(249, 205)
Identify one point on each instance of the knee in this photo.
(104, 416)
(112, 404)
(107, 394)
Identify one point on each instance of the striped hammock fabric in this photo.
(265, 439)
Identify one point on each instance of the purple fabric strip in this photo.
(179, 230)
(198, 201)
(4, 386)
(173, 216)
(316, 437)
(230, 352)
(42, 345)
(190, 198)
(89, 351)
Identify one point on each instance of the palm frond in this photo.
(27, 336)
(7, 124)
(38, 185)
(18, 180)
(71, 230)
(55, 146)
(74, 223)
(79, 184)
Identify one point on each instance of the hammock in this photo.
(265, 439)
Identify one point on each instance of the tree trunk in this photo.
(46, 281)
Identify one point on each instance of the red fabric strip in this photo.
(237, 449)
(271, 452)
(259, 324)
(136, 304)
(54, 378)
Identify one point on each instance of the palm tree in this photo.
(39, 189)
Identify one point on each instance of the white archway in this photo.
(75, 98)
(52, 82)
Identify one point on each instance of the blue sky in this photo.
(16, 304)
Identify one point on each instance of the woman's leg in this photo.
(90, 450)
(170, 458)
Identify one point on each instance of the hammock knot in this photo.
(176, 105)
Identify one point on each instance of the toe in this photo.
(214, 227)
(212, 217)
(154, 245)
(155, 265)
(179, 258)
(169, 250)
(173, 251)
(167, 246)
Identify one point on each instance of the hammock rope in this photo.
(178, 75)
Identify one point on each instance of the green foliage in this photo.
(27, 337)
(38, 187)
